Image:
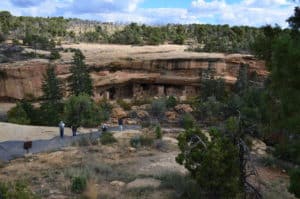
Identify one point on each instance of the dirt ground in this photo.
(107, 53)
(116, 171)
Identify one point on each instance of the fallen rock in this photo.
(134, 108)
(171, 115)
(259, 147)
(117, 183)
(142, 114)
(145, 107)
(131, 122)
(170, 139)
(183, 108)
(143, 182)
(118, 113)
(172, 130)
(131, 149)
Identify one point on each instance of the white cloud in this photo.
(245, 12)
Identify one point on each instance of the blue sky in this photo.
(232, 12)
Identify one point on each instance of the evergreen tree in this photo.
(214, 163)
(210, 86)
(81, 111)
(81, 81)
(242, 80)
(52, 107)
(51, 86)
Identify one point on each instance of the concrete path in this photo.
(14, 149)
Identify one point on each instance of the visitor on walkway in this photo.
(74, 130)
(120, 122)
(61, 128)
(104, 127)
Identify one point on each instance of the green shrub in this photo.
(268, 161)
(125, 105)
(171, 102)
(16, 190)
(139, 141)
(54, 55)
(158, 108)
(107, 138)
(187, 121)
(105, 109)
(18, 115)
(135, 142)
(81, 111)
(79, 184)
(158, 133)
(289, 151)
(295, 182)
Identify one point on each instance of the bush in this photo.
(216, 160)
(16, 190)
(171, 102)
(289, 151)
(158, 107)
(81, 111)
(187, 121)
(158, 133)
(107, 138)
(18, 115)
(105, 109)
(79, 184)
(139, 141)
(295, 182)
(268, 161)
(125, 105)
(54, 55)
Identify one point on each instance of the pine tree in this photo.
(242, 80)
(52, 107)
(51, 86)
(81, 81)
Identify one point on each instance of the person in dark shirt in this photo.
(120, 122)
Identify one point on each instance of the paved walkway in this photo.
(14, 149)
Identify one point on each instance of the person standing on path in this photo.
(61, 128)
(74, 130)
(120, 122)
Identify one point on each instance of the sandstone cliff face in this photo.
(128, 78)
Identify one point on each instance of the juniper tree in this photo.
(51, 107)
(52, 89)
(81, 81)
(242, 79)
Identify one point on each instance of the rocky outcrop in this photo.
(128, 78)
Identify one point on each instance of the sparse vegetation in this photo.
(295, 182)
(143, 140)
(157, 131)
(125, 105)
(107, 138)
(171, 102)
(16, 190)
(184, 186)
(79, 184)
(54, 55)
